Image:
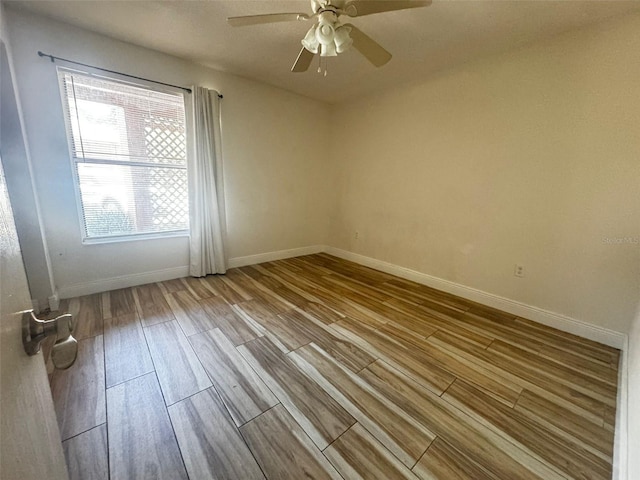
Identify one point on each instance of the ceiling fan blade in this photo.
(368, 47)
(267, 18)
(358, 8)
(303, 61)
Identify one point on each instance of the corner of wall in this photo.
(30, 224)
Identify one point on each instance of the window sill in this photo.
(134, 238)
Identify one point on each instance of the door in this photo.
(30, 447)
(29, 437)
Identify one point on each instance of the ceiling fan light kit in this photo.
(328, 37)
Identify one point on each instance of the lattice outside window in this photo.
(129, 152)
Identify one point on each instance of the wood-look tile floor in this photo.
(316, 368)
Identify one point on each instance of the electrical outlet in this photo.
(357, 235)
(519, 270)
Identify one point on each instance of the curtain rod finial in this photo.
(41, 54)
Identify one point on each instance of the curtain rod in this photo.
(54, 58)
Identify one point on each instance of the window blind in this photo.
(128, 146)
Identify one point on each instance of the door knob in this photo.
(34, 331)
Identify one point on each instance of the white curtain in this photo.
(206, 195)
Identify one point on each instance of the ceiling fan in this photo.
(328, 36)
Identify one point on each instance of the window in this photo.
(129, 153)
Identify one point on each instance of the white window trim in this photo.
(133, 237)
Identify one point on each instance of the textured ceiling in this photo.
(422, 41)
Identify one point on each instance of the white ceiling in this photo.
(422, 41)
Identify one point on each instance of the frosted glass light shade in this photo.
(310, 42)
(328, 50)
(342, 39)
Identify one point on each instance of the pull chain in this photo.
(324, 74)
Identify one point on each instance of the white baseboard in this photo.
(124, 281)
(272, 256)
(530, 312)
(54, 302)
(546, 317)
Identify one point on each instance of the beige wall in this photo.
(532, 157)
(274, 176)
